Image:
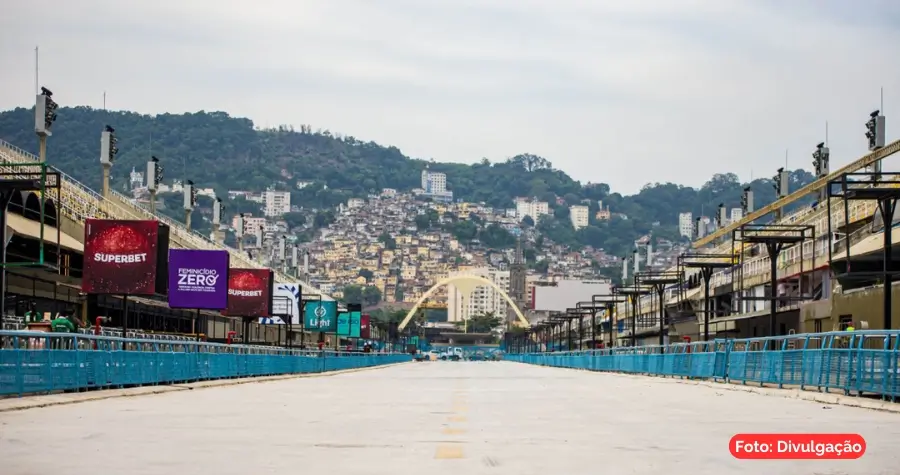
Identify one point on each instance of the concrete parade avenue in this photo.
(435, 418)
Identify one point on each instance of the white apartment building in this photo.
(579, 215)
(736, 214)
(535, 209)
(481, 300)
(354, 203)
(277, 203)
(434, 183)
(686, 224)
(251, 224)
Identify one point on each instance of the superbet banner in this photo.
(249, 292)
(120, 257)
(365, 326)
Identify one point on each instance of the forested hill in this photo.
(228, 153)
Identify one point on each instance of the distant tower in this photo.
(517, 272)
(137, 179)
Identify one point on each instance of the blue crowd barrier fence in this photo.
(37, 362)
(860, 362)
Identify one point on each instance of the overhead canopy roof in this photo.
(32, 229)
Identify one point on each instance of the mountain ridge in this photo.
(229, 153)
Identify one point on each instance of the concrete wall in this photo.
(866, 308)
(72, 228)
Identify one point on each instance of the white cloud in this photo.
(622, 92)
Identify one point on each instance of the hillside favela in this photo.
(677, 285)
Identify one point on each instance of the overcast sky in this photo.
(620, 91)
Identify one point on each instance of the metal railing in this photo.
(37, 362)
(860, 362)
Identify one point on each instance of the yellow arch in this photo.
(470, 278)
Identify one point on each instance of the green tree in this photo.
(366, 295)
(464, 231)
(572, 199)
(482, 323)
(497, 237)
(323, 219)
(371, 296)
(427, 220)
(294, 219)
(540, 266)
(353, 294)
(389, 242)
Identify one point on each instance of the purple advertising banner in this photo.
(198, 279)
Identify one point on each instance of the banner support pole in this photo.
(124, 319)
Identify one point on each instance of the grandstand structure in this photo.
(74, 202)
(808, 298)
(78, 202)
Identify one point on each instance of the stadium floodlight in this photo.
(217, 212)
(44, 113)
(190, 195)
(781, 183)
(821, 160)
(108, 146)
(875, 129)
(722, 216)
(154, 174)
(747, 201)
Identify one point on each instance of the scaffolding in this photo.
(775, 238)
(43, 180)
(576, 314)
(871, 187)
(659, 281)
(633, 294)
(28, 177)
(609, 302)
(706, 264)
(593, 309)
(556, 321)
(545, 330)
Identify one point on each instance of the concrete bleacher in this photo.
(79, 202)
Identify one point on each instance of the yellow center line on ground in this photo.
(449, 451)
(446, 451)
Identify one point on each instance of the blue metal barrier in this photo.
(35, 362)
(859, 362)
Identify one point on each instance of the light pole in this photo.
(218, 235)
(108, 151)
(239, 232)
(154, 178)
(259, 242)
(190, 200)
(44, 117)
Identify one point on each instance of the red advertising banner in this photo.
(120, 257)
(365, 331)
(249, 293)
